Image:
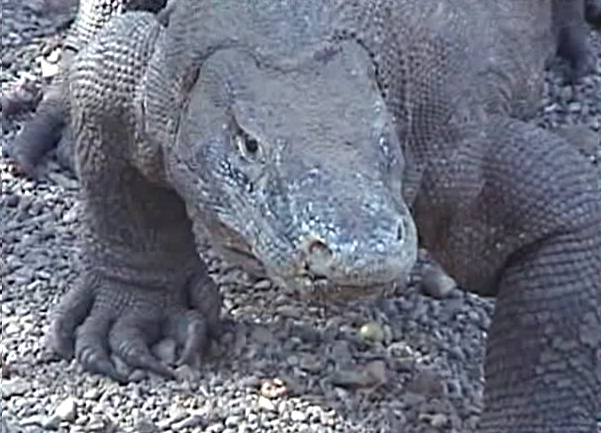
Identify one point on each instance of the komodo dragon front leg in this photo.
(526, 228)
(543, 366)
(141, 278)
(50, 126)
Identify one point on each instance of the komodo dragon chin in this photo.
(264, 150)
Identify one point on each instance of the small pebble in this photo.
(192, 421)
(297, 416)
(372, 332)
(66, 410)
(15, 387)
(266, 404)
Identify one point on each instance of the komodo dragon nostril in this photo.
(401, 231)
(318, 250)
(317, 255)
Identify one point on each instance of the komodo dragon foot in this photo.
(101, 318)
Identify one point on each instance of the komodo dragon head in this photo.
(295, 165)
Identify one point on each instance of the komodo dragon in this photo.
(318, 139)
(49, 128)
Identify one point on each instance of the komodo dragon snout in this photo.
(301, 163)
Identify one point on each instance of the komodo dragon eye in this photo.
(248, 146)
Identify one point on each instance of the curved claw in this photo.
(192, 336)
(65, 151)
(101, 319)
(129, 341)
(39, 135)
(90, 350)
(70, 314)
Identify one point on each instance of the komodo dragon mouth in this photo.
(322, 289)
(308, 286)
(312, 287)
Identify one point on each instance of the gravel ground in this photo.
(287, 366)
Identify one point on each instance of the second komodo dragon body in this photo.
(312, 138)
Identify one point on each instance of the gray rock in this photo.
(15, 387)
(190, 422)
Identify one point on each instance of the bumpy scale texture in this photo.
(50, 127)
(508, 209)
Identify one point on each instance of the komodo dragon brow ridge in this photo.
(317, 140)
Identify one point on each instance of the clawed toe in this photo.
(193, 339)
(96, 323)
(129, 341)
(92, 351)
(71, 312)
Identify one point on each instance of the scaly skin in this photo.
(311, 139)
(141, 277)
(49, 128)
